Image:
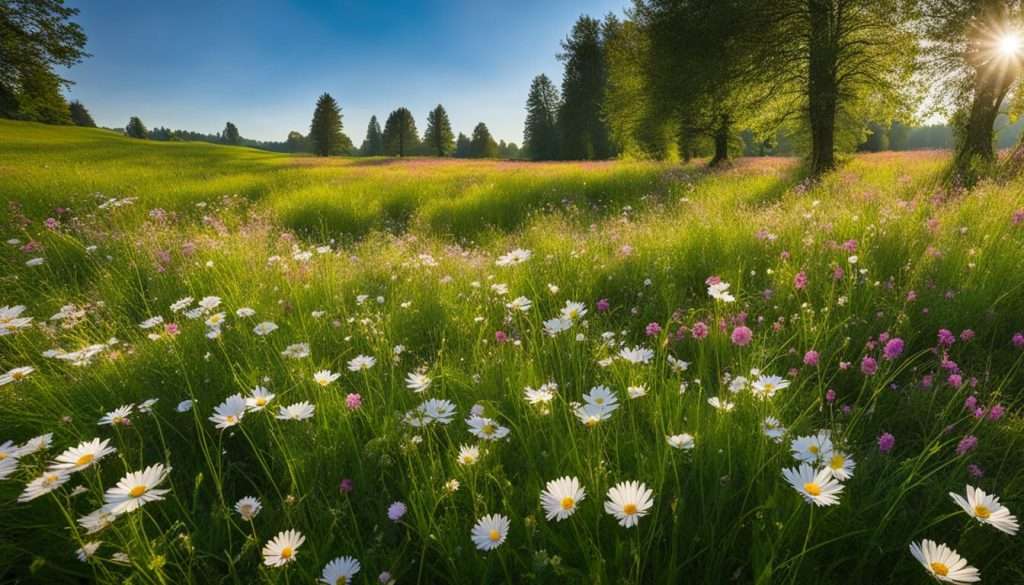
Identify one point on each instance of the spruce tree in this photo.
(79, 115)
(540, 135)
(584, 134)
(135, 128)
(439, 135)
(463, 146)
(400, 137)
(373, 145)
(482, 144)
(325, 129)
(230, 135)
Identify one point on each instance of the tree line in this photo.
(682, 78)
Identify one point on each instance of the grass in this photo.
(362, 257)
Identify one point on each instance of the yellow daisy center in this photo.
(261, 401)
(137, 491)
(629, 509)
(230, 418)
(341, 580)
(599, 401)
(51, 479)
(287, 552)
(494, 535)
(591, 422)
(940, 569)
(16, 376)
(488, 429)
(837, 462)
(814, 449)
(85, 459)
(812, 488)
(568, 503)
(3, 455)
(982, 512)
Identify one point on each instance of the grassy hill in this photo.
(405, 261)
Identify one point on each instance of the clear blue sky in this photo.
(195, 64)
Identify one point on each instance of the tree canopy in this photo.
(438, 136)
(482, 145)
(373, 144)
(79, 115)
(540, 134)
(135, 128)
(400, 137)
(230, 135)
(325, 130)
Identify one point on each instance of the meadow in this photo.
(393, 358)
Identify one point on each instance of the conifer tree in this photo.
(325, 129)
(400, 137)
(373, 145)
(135, 128)
(230, 135)
(540, 135)
(79, 115)
(483, 145)
(439, 135)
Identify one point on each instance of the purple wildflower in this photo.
(886, 442)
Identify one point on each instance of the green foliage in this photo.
(438, 136)
(482, 145)
(296, 142)
(80, 116)
(136, 129)
(463, 146)
(583, 132)
(231, 135)
(400, 136)
(540, 134)
(39, 98)
(325, 133)
(373, 144)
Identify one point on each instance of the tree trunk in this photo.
(822, 88)
(721, 142)
(977, 141)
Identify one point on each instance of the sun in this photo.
(1010, 44)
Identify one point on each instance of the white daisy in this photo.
(296, 351)
(720, 292)
(553, 327)
(146, 406)
(944, 563)
(417, 382)
(361, 363)
(521, 304)
(561, 496)
(635, 392)
(184, 406)
(118, 416)
(773, 429)
(766, 386)
(151, 322)
(245, 312)
(682, 441)
(517, 256)
(677, 365)
(97, 520)
(812, 448)
(181, 304)
(209, 303)
(816, 486)
(722, 405)
(985, 508)
(325, 377)
(35, 444)
(16, 375)
(136, 489)
(629, 501)
(298, 411)
(11, 319)
(573, 310)
(340, 571)
(230, 412)
(88, 549)
(468, 455)
(82, 456)
(441, 411)
(259, 398)
(486, 428)
(490, 532)
(248, 507)
(264, 328)
(840, 465)
(282, 549)
(636, 355)
(44, 484)
(592, 414)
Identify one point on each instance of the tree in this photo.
(230, 135)
(325, 129)
(463, 146)
(35, 37)
(540, 134)
(482, 145)
(400, 136)
(438, 135)
(79, 115)
(965, 46)
(135, 128)
(296, 142)
(584, 134)
(373, 145)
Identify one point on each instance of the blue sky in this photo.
(195, 64)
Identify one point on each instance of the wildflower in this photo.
(82, 456)
(468, 455)
(719, 404)
(184, 406)
(811, 358)
(486, 428)
(340, 571)
(699, 330)
(602, 305)
(298, 411)
(683, 441)
(361, 363)
(97, 520)
(245, 312)
(868, 366)
(396, 510)
(636, 355)
(44, 484)
(637, 391)
(282, 549)
(346, 486)
(136, 489)
(88, 549)
(353, 401)
(35, 444)
(573, 310)
(800, 280)
(325, 377)
(248, 507)
(812, 448)
(629, 501)
(944, 563)
(16, 375)
(560, 498)
(652, 329)
(118, 416)
(766, 386)
(773, 429)
(296, 351)
(490, 532)
(720, 292)
(517, 256)
(151, 322)
(541, 396)
(742, 335)
(264, 328)
(840, 465)
(966, 444)
(886, 442)
(230, 412)
(259, 398)
(817, 487)
(986, 509)
(553, 327)
(946, 337)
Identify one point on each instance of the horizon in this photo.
(267, 87)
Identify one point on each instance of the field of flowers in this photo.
(219, 365)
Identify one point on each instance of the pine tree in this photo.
(584, 134)
(79, 115)
(325, 129)
(296, 142)
(463, 146)
(230, 135)
(439, 132)
(400, 137)
(373, 145)
(482, 144)
(135, 128)
(540, 135)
